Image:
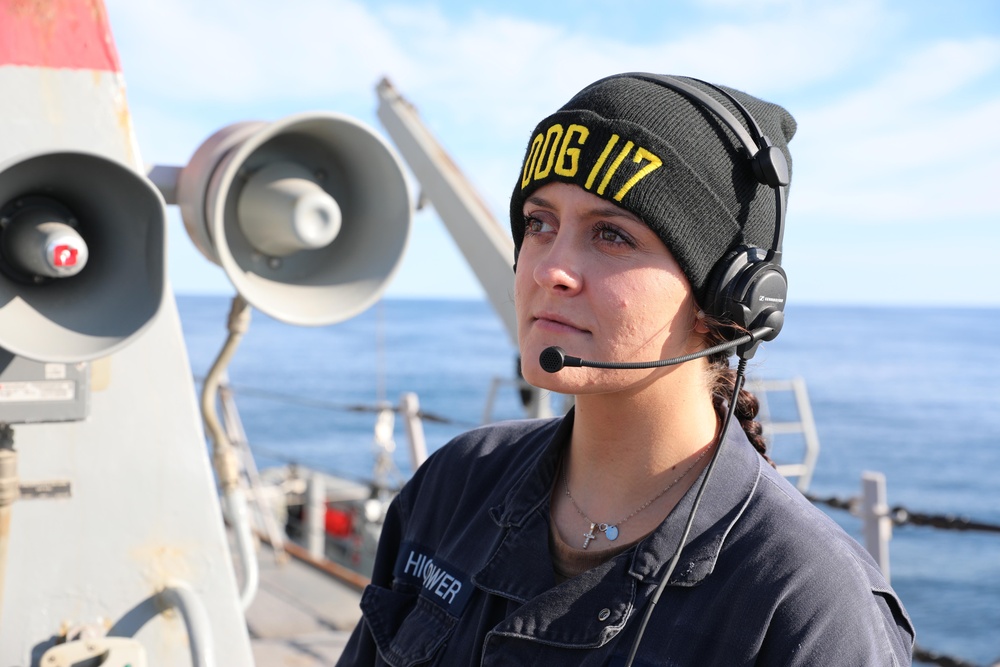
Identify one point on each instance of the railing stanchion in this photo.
(876, 520)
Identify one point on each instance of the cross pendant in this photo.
(589, 535)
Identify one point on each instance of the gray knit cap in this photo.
(665, 158)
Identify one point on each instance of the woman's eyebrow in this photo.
(610, 211)
(538, 201)
(597, 211)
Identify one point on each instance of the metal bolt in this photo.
(603, 614)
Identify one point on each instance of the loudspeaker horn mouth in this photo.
(84, 268)
(309, 216)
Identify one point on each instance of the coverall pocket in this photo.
(408, 629)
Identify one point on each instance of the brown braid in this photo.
(723, 379)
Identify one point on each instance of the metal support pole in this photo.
(9, 491)
(875, 517)
(234, 501)
(316, 516)
(165, 177)
(224, 455)
(409, 406)
(237, 435)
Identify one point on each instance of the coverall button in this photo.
(603, 614)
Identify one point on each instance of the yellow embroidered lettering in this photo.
(551, 145)
(572, 153)
(640, 155)
(614, 167)
(600, 161)
(529, 162)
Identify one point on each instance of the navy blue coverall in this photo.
(463, 574)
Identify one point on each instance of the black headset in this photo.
(747, 287)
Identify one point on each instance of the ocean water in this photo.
(912, 393)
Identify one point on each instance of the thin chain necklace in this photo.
(610, 530)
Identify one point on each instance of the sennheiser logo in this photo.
(770, 298)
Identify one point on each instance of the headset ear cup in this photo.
(747, 291)
(722, 280)
(759, 293)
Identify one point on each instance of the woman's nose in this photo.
(559, 269)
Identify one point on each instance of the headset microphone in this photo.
(554, 359)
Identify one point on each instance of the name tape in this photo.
(439, 581)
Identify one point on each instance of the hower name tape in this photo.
(439, 581)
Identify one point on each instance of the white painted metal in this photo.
(333, 282)
(805, 425)
(143, 510)
(65, 110)
(486, 246)
(316, 515)
(110, 651)
(178, 595)
(257, 494)
(9, 487)
(224, 455)
(409, 407)
(877, 524)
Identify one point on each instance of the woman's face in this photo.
(593, 279)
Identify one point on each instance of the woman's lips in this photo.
(557, 324)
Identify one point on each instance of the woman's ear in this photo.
(700, 325)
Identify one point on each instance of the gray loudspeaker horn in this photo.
(309, 216)
(82, 266)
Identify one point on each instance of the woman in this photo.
(549, 542)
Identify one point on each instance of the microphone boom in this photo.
(553, 359)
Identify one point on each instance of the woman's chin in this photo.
(560, 382)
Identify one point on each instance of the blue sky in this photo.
(896, 161)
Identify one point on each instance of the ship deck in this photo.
(302, 616)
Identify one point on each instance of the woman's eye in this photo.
(613, 235)
(533, 225)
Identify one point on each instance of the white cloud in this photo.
(919, 143)
(924, 77)
(245, 52)
(781, 52)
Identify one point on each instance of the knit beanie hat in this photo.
(667, 159)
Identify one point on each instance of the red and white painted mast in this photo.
(112, 515)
